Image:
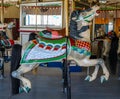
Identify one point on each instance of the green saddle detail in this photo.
(34, 54)
(81, 51)
(53, 41)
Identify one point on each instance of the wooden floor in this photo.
(47, 84)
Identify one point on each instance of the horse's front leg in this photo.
(97, 63)
(94, 74)
(105, 70)
(26, 84)
(87, 62)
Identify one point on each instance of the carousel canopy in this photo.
(7, 3)
(110, 4)
(105, 4)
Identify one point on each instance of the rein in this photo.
(88, 17)
(85, 18)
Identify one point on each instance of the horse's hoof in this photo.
(21, 90)
(88, 78)
(24, 89)
(103, 78)
(27, 89)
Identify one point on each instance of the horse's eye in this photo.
(83, 14)
(47, 33)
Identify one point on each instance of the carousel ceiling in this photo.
(7, 3)
(110, 4)
(105, 4)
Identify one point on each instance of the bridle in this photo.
(85, 18)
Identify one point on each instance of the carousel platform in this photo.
(47, 84)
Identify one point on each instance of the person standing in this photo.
(113, 53)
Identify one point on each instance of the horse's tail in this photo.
(15, 63)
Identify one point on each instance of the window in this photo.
(110, 26)
(43, 14)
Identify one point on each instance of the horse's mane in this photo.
(74, 30)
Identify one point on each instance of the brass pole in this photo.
(66, 16)
(67, 78)
(2, 11)
(19, 1)
(34, 71)
(73, 5)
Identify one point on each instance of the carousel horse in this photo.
(6, 38)
(106, 47)
(107, 43)
(5, 43)
(111, 50)
(49, 47)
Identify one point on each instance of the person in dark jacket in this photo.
(113, 53)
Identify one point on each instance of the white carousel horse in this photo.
(6, 37)
(6, 43)
(107, 43)
(8, 29)
(48, 49)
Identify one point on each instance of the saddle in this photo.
(46, 50)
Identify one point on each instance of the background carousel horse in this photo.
(104, 43)
(110, 50)
(107, 40)
(5, 43)
(6, 36)
(106, 46)
(48, 49)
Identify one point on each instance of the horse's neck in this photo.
(84, 31)
(9, 33)
(85, 35)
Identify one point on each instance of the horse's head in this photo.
(80, 21)
(88, 14)
(11, 25)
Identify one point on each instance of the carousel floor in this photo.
(47, 84)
